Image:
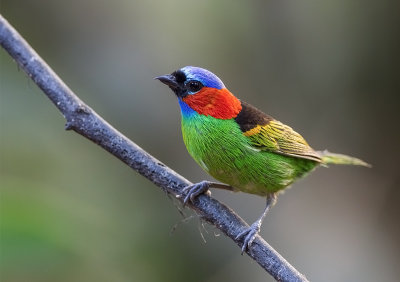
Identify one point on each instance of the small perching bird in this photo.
(239, 145)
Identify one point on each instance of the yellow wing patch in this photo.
(253, 131)
(280, 138)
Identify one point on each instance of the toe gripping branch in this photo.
(202, 187)
(195, 190)
(249, 234)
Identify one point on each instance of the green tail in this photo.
(331, 158)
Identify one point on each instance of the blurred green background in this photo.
(71, 212)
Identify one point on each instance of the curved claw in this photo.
(249, 235)
(195, 190)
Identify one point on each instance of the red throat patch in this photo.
(218, 103)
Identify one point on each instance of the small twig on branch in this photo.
(83, 120)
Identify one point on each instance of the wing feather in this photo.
(268, 134)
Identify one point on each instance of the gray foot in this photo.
(249, 235)
(195, 190)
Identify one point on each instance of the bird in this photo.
(239, 145)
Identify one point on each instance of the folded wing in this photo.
(267, 134)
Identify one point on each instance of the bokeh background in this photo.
(71, 212)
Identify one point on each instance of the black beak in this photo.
(169, 80)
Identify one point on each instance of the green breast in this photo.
(222, 150)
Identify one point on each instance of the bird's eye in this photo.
(194, 86)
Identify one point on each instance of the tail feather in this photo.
(331, 158)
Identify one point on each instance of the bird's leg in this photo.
(200, 188)
(250, 233)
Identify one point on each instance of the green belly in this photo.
(221, 149)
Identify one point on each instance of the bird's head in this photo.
(202, 92)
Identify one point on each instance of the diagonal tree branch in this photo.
(83, 120)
